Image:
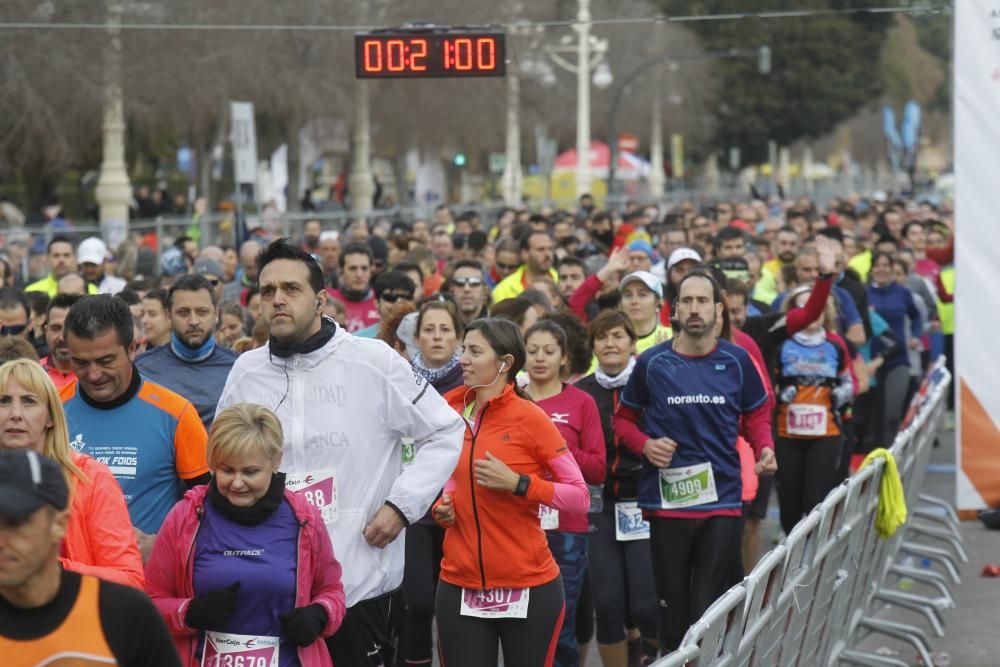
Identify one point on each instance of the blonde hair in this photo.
(829, 311)
(241, 429)
(30, 375)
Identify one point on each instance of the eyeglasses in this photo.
(393, 298)
(506, 267)
(12, 330)
(467, 282)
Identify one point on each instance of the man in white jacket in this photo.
(344, 403)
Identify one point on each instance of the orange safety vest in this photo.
(79, 641)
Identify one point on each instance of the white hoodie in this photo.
(344, 409)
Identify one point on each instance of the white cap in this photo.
(92, 251)
(880, 196)
(407, 332)
(682, 254)
(647, 279)
(329, 235)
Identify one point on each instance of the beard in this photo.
(700, 329)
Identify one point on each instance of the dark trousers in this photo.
(807, 471)
(693, 561)
(363, 638)
(420, 577)
(467, 641)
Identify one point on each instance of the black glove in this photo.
(212, 610)
(301, 626)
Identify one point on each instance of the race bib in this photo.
(687, 487)
(629, 524)
(409, 451)
(548, 517)
(319, 488)
(806, 419)
(226, 650)
(495, 603)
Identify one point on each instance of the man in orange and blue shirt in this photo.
(150, 437)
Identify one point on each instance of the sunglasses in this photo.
(506, 267)
(467, 282)
(12, 330)
(214, 282)
(393, 298)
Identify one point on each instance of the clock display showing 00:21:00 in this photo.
(412, 56)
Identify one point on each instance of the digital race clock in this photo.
(414, 55)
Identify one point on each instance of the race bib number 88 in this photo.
(687, 487)
(319, 489)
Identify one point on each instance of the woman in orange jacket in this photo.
(99, 538)
(500, 586)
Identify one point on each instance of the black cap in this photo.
(29, 480)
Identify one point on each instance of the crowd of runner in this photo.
(363, 446)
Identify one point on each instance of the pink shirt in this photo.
(360, 314)
(575, 415)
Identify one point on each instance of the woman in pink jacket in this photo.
(243, 569)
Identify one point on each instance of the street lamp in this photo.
(512, 179)
(113, 187)
(585, 64)
(761, 54)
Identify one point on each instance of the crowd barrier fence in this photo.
(817, 594)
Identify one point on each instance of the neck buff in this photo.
(355, 296)
(433, 375)
(613, 382)
(284, 350)
(808, 339)
(260, 510)
(194, 355)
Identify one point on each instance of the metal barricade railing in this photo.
(815, 596)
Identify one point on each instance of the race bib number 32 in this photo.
(495, 603)
(227, 650)
(629, 524)
(319, 489)
(687, 487)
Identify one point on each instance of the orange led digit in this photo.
(418, 53)
(373, 64)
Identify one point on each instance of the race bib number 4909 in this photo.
(228, 650)
(320, 490)
(495, 603)
(687, 487)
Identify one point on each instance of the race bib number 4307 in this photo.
(319, 488)
(228, 650)
(495, 603)
(687, 487)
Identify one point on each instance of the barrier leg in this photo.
(916, 603)
(942, 534)
(949, 510)
(936, 554)
(871, 660)
(935, 516)
(930, 578)
(907, 633)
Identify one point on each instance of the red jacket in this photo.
(170, 573)
(496, 540)
(99, 538)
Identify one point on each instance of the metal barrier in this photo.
(815, 596)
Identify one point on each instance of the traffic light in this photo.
(459, 159)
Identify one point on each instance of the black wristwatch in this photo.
(522, 485)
